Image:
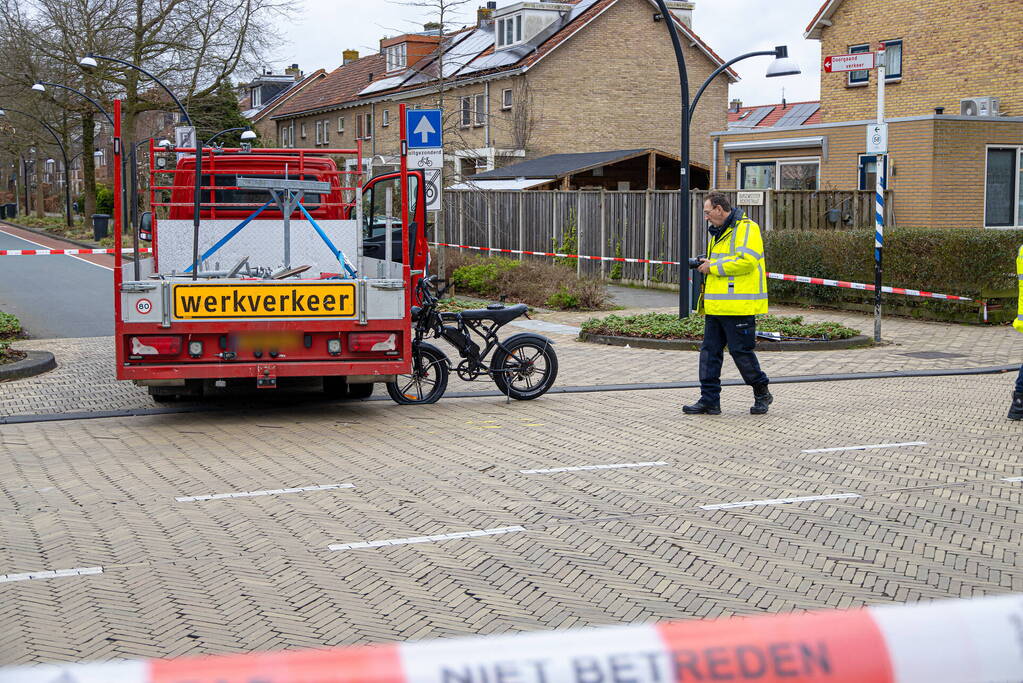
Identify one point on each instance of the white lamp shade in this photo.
(39, 86)
(783, 66)
(248, 135)
(87, 63)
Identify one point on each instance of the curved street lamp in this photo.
(782, 66)
(40, 86)
(63, 151)
(89, 64)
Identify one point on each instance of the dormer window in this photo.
(509, 31)
(397, 57)
(257, 99)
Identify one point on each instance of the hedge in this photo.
(980, 264)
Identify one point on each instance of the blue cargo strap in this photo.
(330, 245)
(224, 240)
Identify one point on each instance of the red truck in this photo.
(282, 271)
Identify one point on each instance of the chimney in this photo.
(349, 56)
(683, 10)
(485, 15)
(734, 106)
(294, 72)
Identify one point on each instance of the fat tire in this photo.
(434, 361)
(503, 363)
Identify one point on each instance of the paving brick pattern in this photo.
(599, 546)
(85, 380)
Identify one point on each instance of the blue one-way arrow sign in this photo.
(423, 127)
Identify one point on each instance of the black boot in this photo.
(761, 399)
(701, 408)
(1016, 409)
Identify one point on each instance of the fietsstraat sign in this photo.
(857, 62)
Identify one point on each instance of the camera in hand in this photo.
(694, 263)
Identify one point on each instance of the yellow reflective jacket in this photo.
(1018, 323)
(737, 282)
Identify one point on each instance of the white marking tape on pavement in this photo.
(544, 326)
(426, 539)
(952, 641)
(616, 466)
(52, 574)
(777, 501)
(774, 276)
(98, 265)
(865, 448)
(1013, 479)
(268, 492)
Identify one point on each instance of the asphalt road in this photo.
(55, 296)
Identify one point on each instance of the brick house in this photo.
(529, 79)
(953, 100)
(265, 94)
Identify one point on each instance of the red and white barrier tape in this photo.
(68, 252)
(954, 641)
(773, 276)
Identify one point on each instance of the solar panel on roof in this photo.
(797, 115)
(753, 119)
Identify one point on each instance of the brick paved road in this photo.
(84, 380)
(576, 547)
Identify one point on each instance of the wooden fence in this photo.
(630, 224)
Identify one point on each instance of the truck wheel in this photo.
(338, 388)
(359, 392)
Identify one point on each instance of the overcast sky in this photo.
(318, 32)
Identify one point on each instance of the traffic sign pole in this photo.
(879, 186)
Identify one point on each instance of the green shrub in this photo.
(616, 269)
(569, 245)
(670, 326)
(104, 200)
(562, 300)
(979, 264)
(9, 326)
(481, 276)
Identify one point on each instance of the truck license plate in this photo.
(256, 301)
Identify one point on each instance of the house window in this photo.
(481, 110)
(326, 131)
(302, 131)
(319, 132)
(466, 110)
(385, 119)
(509, 31)
(256, 96)
(782, 174)
(506, 99)
(868, 171)
(340, 124)
(396, 57)
(859, 77)
(1003, 203)
(358, 127)
(369, 126)
(892, 60)
(101, 159)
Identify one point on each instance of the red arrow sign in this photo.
(827, 64)
(859, 61)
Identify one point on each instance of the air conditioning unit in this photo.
(979, 106)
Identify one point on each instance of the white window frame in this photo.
(465, 112)
(302, 131)
(396, 56)
(506, 99)
(385, 118)
(367, 126)
(849, 82)
(479, 110)
(508, 30)
(341, 124)
(1017, 196)
(319, 132)
(326, 131)
(778, 163)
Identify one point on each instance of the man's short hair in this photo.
(718, 199)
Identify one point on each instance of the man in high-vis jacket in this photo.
(734, 292)
(1016, 410)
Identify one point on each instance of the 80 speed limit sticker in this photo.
(143, 306)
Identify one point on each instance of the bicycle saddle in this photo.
(500, 316)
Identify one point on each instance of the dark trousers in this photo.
(738, 333)
(1019, 380)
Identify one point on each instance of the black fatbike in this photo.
(523, 366)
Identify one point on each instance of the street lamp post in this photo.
(782, 66)
(40, 86)
(88, 63)
(63, 152)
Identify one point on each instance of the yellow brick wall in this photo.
(936, 165)
(951, 50)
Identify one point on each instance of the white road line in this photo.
(53, 574)
(268, 492)
(39, 244)
(593, 467)
(1012, 479)
(777, 501)
(866, 448)
(425, 539)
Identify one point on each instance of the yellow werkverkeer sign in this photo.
(193, 302)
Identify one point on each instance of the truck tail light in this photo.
(195, 349)
(156, 346)
(373, 341)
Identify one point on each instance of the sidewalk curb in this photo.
(59, 238)
(34, 363)
(859, 341)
